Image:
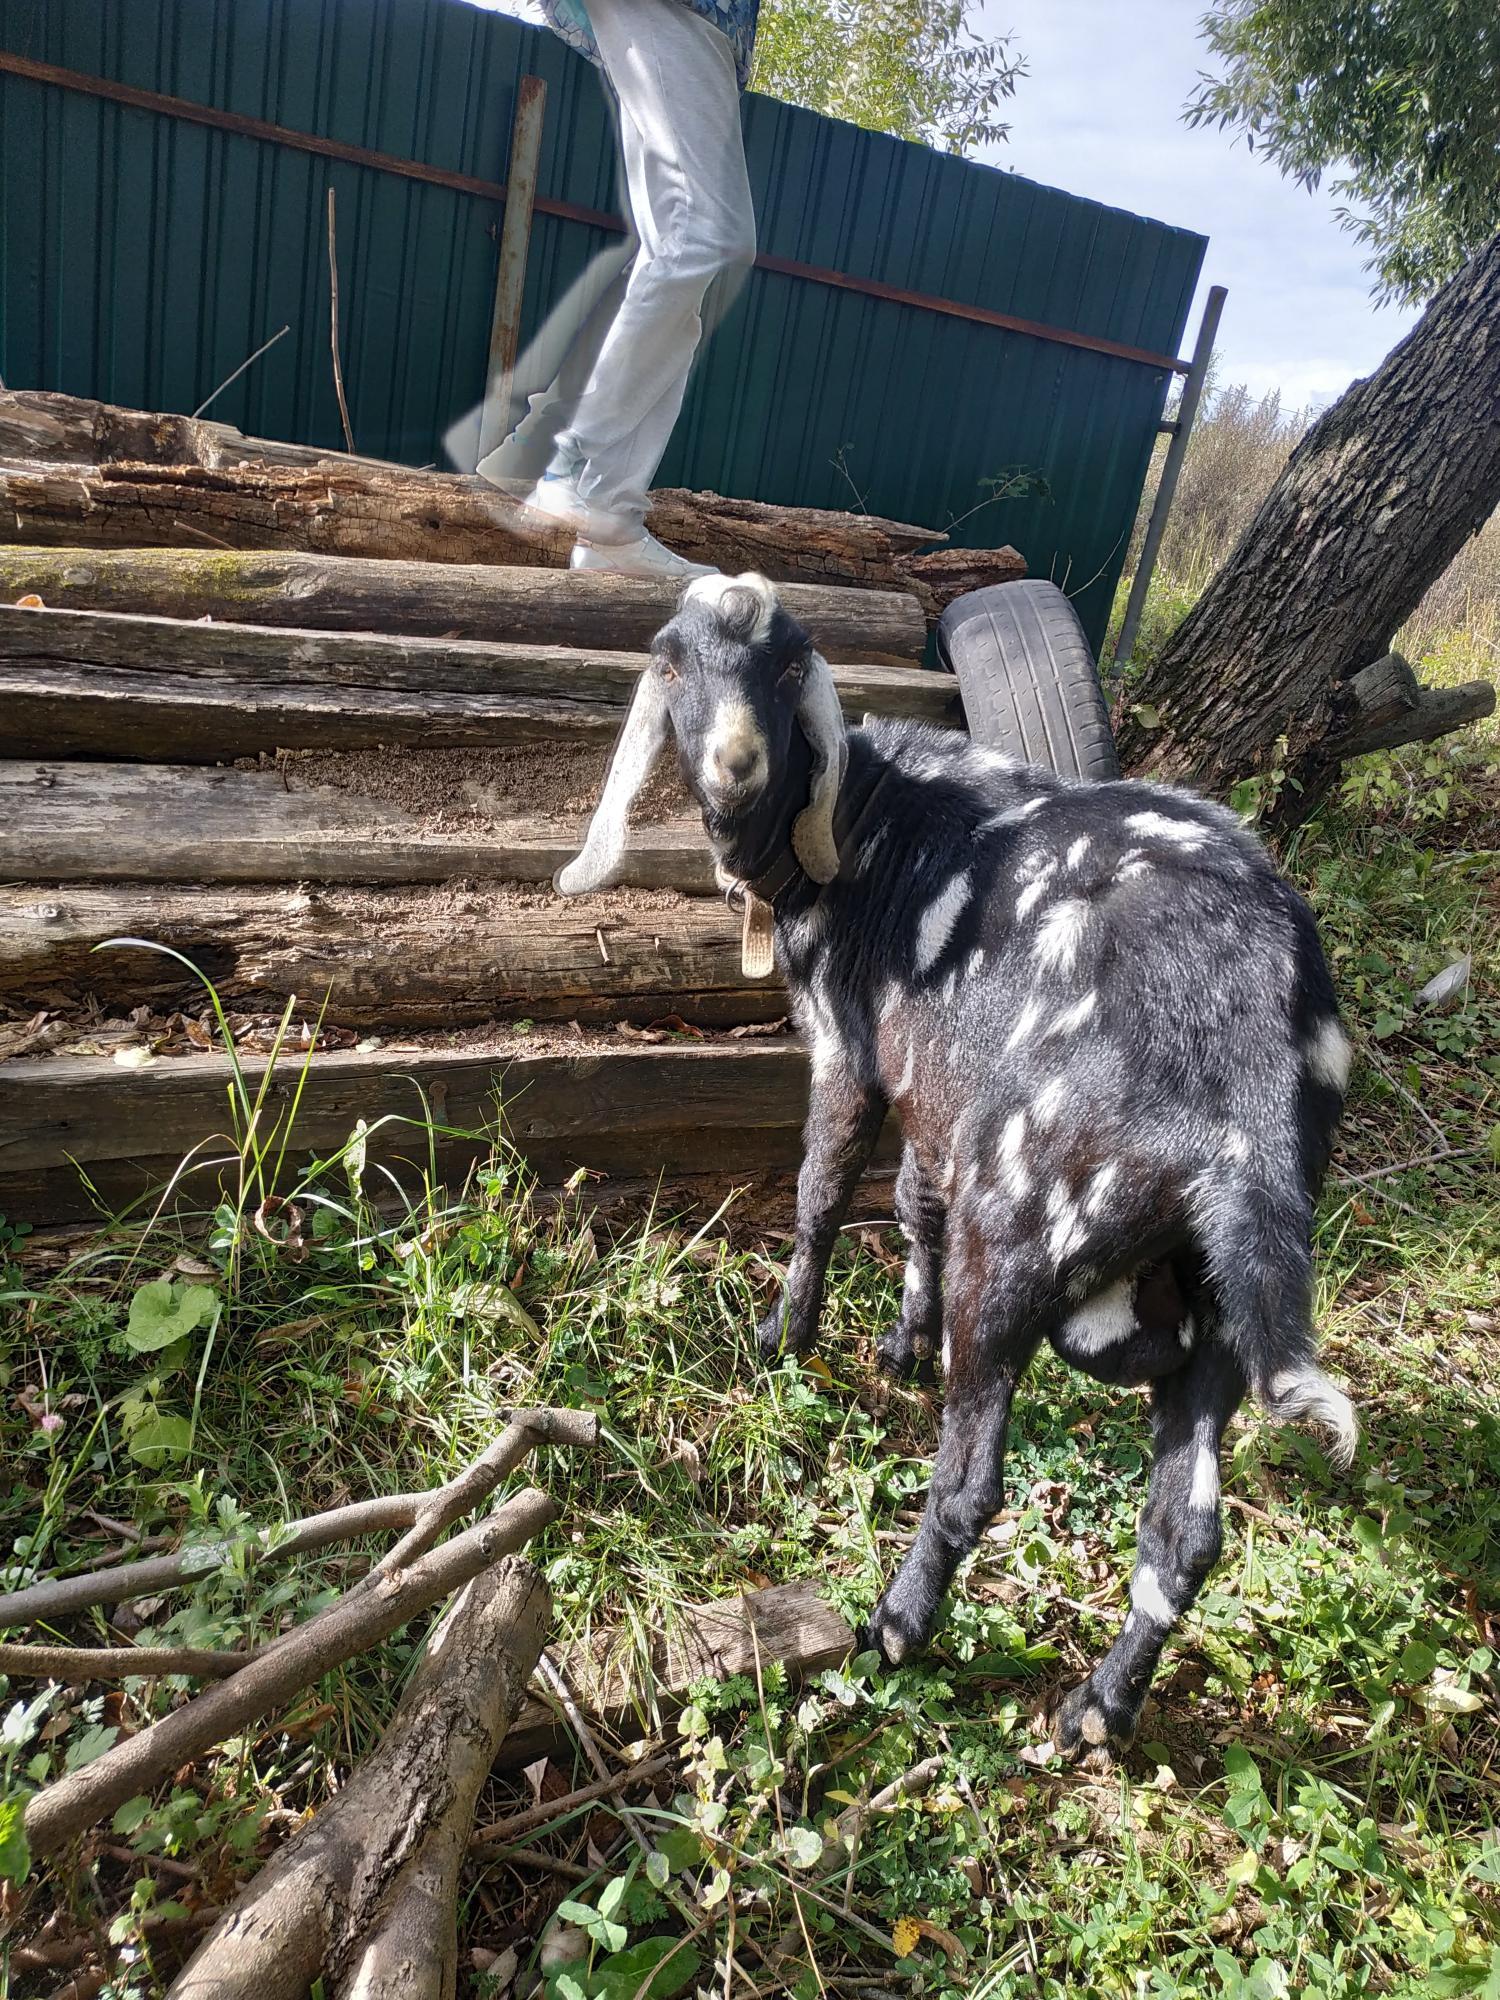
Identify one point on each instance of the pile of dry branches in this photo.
(364, 1895)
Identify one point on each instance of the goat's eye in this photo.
(668, 673)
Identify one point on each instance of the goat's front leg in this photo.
(908, 1347)
(844, 1117)
(1178, 1544)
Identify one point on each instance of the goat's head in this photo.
(759, 731)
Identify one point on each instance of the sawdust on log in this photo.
(447, 791)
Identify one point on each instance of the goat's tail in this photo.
(1259, 1252)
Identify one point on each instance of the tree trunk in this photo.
(1372, 507)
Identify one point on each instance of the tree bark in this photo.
(74, 471)
(1372, 507)
(366, 1893)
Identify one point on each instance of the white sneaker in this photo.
(557, 499)
(646, 557)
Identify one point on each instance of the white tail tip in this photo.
(1306, 1392)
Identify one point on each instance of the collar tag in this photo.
(757, 938)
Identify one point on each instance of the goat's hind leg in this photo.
(843, 1122)
(996, 1313)
(906, 1349)
(1178, 1543)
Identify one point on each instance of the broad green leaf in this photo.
(668, 1965)
(130, 1815)
(15, 1856)
(162, 1312)
(159, 1440)
(804, 1847)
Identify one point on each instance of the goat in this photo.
(1109, 1032)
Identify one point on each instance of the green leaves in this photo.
(655, 1969)
(158, 1439)
(163, 1311)
(15, 1856)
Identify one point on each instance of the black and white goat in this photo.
(1109, 1032)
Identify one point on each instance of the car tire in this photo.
(1027, 675)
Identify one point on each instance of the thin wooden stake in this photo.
(333, 327)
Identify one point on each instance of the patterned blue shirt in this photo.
(736, 19)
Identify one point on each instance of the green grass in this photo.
(1313, 1804)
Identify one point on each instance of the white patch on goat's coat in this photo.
(1059, 934)
(1026, 1021)
(1205, 1489)
(735, 737)
(908, 1072)
(1071, 1019)
(1077, 851)
(1184, 833)
(1148, 1597)
(1034, 891)
(1046, 1106)
(993, 760)
(1013, 1170)
(890, 1000)
(1236, 1145)
(914, 1284)
(1107, 1319)
(1092, 1726)
(710, 590)
(1133, 863)
(1328, 1055)
(935, 926)
(1067, 1231)
(1187, 1333)
(976, 962)
(1099, 1187)
(1016, 816)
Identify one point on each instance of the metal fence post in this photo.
(515, 239)
(1161, 506)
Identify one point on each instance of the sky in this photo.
(1099, 114)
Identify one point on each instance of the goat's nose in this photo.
(735, 762)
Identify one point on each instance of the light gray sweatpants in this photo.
(609, 411)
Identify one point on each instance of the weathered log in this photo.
(568, 676)
(57, 1108)
(365, 1894)
(131, 476)
(389, 958)
(62, 1810)
(114, 822)
(420, 599)
(1436, 712)
(633, 1696)
(110, 712)
(120, 1583)
(126, 685)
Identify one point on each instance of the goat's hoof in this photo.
(895, 1637)
(902, 1357)
(1088, 1730)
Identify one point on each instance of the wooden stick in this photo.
(119, 1583)
(333, 327)
(551, 1809)
(357, 1622)
(93, 1663)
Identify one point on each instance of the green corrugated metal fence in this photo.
(142, 258)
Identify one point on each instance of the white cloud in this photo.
(1099, 114)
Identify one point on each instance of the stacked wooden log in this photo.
(340, 783)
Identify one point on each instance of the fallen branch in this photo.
(910, 1785)
(551, 1809)
(95, 1663)
(365, 1894)
(361, 1620)
(116, 1584)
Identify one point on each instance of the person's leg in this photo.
(690, 200)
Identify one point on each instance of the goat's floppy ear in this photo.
(822, 720)
(641, 739)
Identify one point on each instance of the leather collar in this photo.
(851, 815)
